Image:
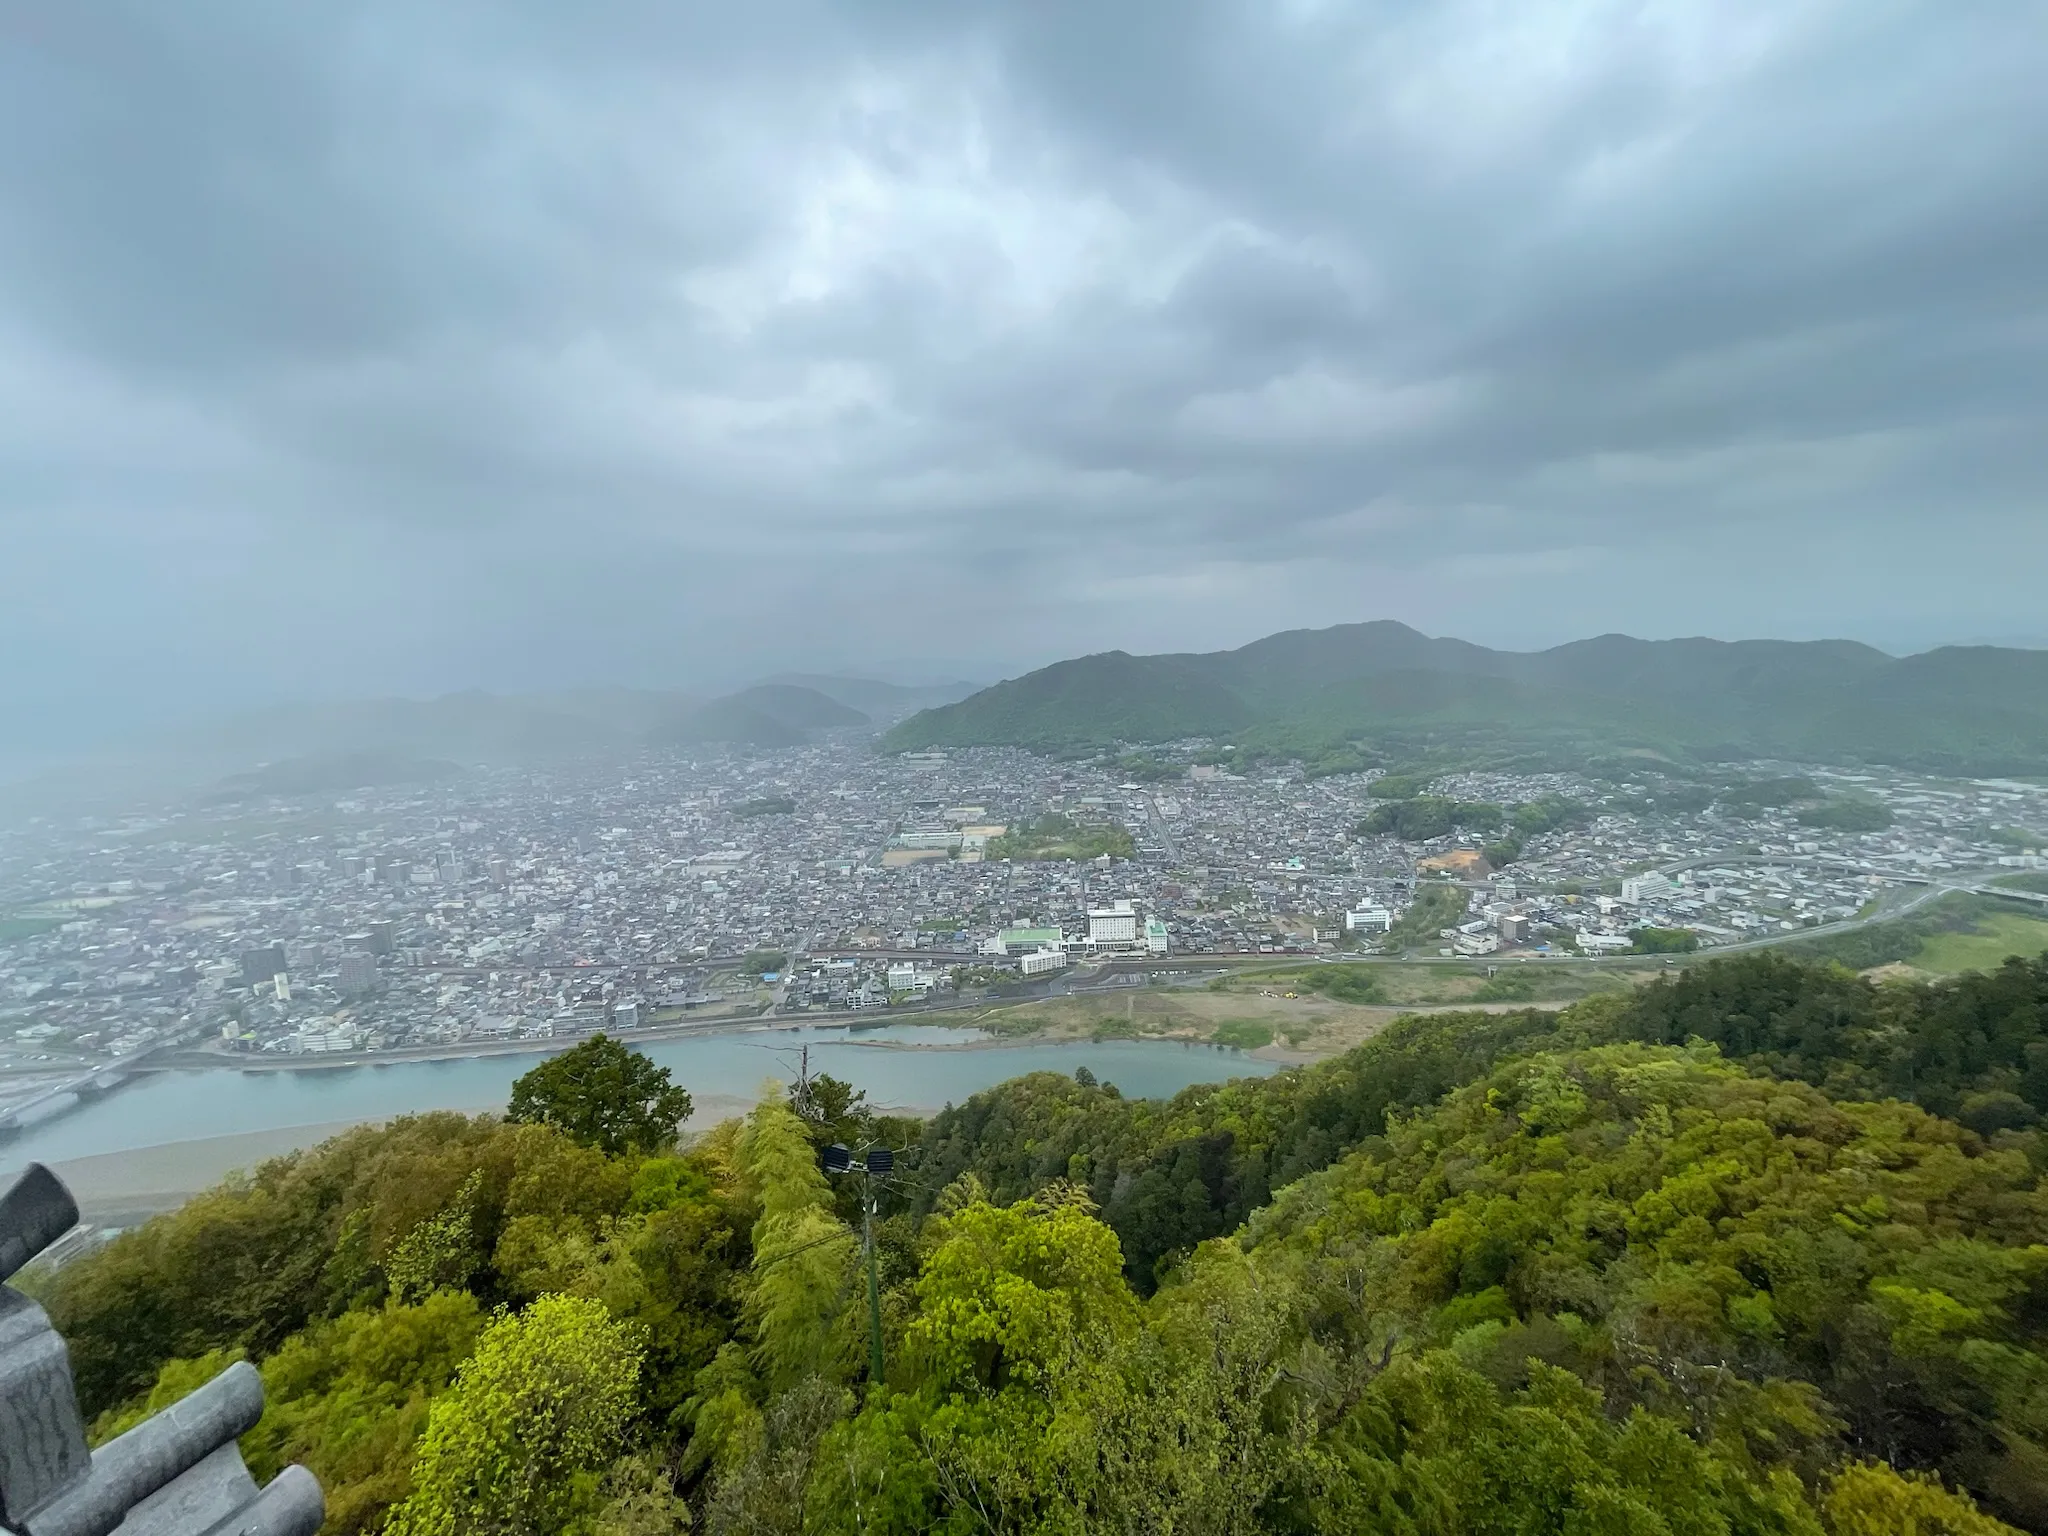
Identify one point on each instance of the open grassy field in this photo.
(1278, 1009)
(1308, 1025)
(1427, 985)
(1998, 935)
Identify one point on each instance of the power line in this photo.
(845, 1235)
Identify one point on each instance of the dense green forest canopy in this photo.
(1362, 695)
(1428, 816)
(1794, 789)
(1058, 836)
(1847, 813)
(1762, 1247)
(1435, 908)
(1664, 941)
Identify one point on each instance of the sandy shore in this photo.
(119, 1188)
(114, 1187)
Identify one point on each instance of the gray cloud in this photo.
(379, 347)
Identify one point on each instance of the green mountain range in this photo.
(1385, 687)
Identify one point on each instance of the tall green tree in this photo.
(1014, 1372)
(803, 1254)
(516, 1447)
(604, 1095)
(442, 1252)
(350, 1398)
(1870, 1499)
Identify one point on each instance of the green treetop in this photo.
(514, 1448)
(604, 1095)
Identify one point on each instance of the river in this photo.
(904, 1066)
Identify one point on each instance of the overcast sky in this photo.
(385, 347)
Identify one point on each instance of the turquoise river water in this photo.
(901, 1066)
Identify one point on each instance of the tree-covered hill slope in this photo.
(1742, 1257)
(1762, 1248)
(1167, 1174)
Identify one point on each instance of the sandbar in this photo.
(121, 1188)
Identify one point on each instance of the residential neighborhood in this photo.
(692, 890)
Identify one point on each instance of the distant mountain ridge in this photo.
(878, 700)
(478, 727)
(766, 715)
(1966, 709)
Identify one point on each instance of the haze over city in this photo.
(360, 350)
(867, 769)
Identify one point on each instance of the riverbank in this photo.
(211, 1057)
(117, 1189)
(1312, 1028)
(166, 1108)
(848, 1028)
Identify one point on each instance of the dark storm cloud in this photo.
(380, 346)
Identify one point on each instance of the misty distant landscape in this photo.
(1333, 700)
(326, 748)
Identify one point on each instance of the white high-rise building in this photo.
(1112, 925)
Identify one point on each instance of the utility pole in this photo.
(878, 1162)
(802, 1097)
(867, 1242)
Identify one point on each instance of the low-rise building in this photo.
(1637, 889)
(945, 839)
(1018, 941)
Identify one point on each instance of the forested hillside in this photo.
(1383, 686)
(1761, 1248)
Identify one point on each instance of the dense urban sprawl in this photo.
(511, 903)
